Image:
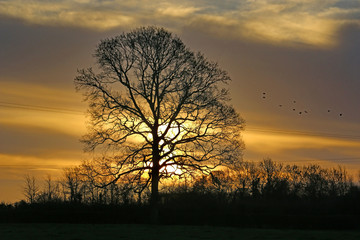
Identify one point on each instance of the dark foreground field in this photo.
(112, 231)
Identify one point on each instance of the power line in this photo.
(40, 108)
(256, 129)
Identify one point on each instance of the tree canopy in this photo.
(157, 109)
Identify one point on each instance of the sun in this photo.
(172, 133)
(168, 134)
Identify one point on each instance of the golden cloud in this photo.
(38, 94)
(17, 166)
(315, 23)
(57, 122)
(289, 147)
(29, 105)
(65, 13)
(290, 22)
(263, 141)
(300, 29)
(177, 11)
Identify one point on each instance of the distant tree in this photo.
(72, 184)
(243, 178)
(52, 189)
(157, 110)
(339, 181)
(31, 189)
(255, 179)
(316, 184)
(295, 178)
(50, 192)
(276, 183)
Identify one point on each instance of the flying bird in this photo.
(264, 95)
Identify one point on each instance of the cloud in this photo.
(16, 166)
(47, 120)
(40, 130)
(293, 22)
(301, 147)
(296, 22)
(33, 106)
(88, 14)
(294, 29)
(38, 94)
(177, 11)
(272, 140)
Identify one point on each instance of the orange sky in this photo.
(298, 50)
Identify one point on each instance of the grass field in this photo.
(148, 232)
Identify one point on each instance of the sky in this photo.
(294, 64)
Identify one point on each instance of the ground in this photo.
(148, 232)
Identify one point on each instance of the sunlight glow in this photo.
(173, 133)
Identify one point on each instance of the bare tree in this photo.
(339, 181)
(276, 182)
(316, 183)
(157, 110)
(52, 189)
(246, 173)
(295, 177)
(72, 184)
(31, 189)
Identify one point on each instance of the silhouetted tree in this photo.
(255, 179)
(31, 189)
(316, 185)
(224, 181)
(295, 178)
(276, 183)
(157, 110)
(339, 182)
(73, 186)
(51, 190)
(243, 179)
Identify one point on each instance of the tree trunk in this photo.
(154, 201)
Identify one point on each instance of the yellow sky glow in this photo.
(56, 109)
(276, 141)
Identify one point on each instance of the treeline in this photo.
(266, 179)
(264, 194)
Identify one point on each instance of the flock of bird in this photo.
(295, 110)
